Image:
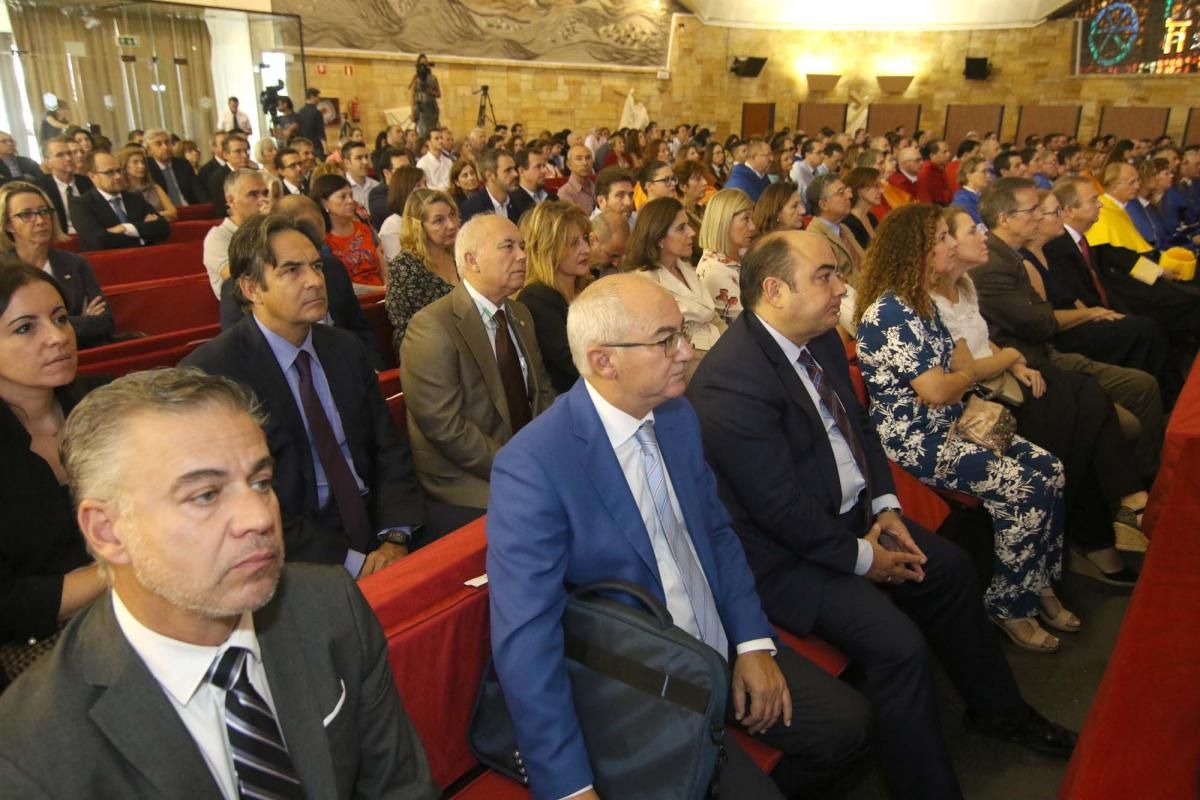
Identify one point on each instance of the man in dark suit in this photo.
(574, 501)
(751, 176)
(806, 480)
(210, 670)
(344, 309)
(14, 166)
(216, 162)
(498, 171)
(60, 183)
(344, 478)
(235, 152)
(312, 123)
(108, 217)
(290, 165)
(531, 175)
(387, 161)
(173, 174)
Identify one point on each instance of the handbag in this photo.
(985, 423)
(650, 700)
(1003, 388)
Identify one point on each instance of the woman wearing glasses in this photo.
(656, 179)
(30, 227)
(659, 247)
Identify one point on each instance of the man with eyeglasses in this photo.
(107, 216)
(471, 367)
(611, 483)
(290, 165)
(235, 152)
(61, 183)
(804, 169)
(751, 176)
(829, 200)
(14, 166)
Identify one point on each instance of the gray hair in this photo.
(97, 427)
(154, 133)
(231, 180)
(469, 240)
(598, 315)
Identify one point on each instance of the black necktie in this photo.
(515, 392)
(260, 756)
(342, 486)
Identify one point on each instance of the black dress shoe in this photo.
(1030, 730)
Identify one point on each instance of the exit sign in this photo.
(127, 41)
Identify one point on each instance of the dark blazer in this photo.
(521, 201)
(377, 205)
(93, 216)
(1070, 279)
(561, 515)
(27, 170)
(46, 183)
(1016, 314)
(481, 203)
(343, 305)
(74, 274)
(41, 540)
(548, 308)
(325, 657)
(381, 458)
(776, 471)
(184, 176)
(205, 171)
(215, 185)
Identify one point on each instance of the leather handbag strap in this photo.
(653, 682)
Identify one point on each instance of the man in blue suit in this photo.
(751, 176)
(579, 496)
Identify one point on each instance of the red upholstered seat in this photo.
(377, 318)
(191, 230)
(147, 344)
(161, 306)
(136, 264)
(389, 382)
(399, 413)
(554, 184)
(197, 211)
(165, 357)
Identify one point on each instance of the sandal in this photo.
(1129, 539)
(1054, 614)
(1026, 634)
(1131, 516)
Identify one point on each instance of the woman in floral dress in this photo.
(917, 376)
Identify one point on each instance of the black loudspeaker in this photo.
(747, 67)
(977, 69)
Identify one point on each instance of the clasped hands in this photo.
(896, 557)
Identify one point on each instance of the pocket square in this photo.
(341, 701)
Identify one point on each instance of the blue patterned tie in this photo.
(260, 757)
(704, 608)
(119, 208)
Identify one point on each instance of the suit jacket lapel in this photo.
(135, 713)
(295, 690)
(794, 388)
(470, 327)
(600, 462)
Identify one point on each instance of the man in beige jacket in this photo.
(470, 367)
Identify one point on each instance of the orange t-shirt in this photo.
(359, 252)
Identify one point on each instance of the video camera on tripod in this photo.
(269, 99)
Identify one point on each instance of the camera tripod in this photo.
(485, 107)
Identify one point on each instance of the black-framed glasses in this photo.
(668, 180)
(109, 173)
(669, 344)
(1029, 210)
(30, 214)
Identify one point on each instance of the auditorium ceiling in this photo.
(875, 14)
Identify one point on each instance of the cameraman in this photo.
(425, 94)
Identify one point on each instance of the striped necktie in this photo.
(260, 757)
(704, 608)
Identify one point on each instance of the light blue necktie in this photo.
(118, 207)
(704, 608)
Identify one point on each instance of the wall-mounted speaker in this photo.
(977, 69)
(747, 67)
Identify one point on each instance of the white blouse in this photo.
(700, 317)
(963, 319)
(389, 236)
(720, 279)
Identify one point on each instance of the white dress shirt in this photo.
(181, 670)
(852, 481)
(362, 191)
(64, 191)
(501, 208)
(130, 230)
(436, 169)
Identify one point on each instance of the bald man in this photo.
(580, 189)
(471, 368)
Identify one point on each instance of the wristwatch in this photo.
(397, 537)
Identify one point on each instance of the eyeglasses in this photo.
(1029, 211)
(29, 215)
(669, 344)
(670, 179)
(108, 173)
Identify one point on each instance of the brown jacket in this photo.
(457, 415)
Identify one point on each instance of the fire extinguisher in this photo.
(354, 110)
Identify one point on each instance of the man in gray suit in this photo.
(471, 368)
(210, 670)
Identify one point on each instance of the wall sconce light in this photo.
(894, 84)
(818, 82)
